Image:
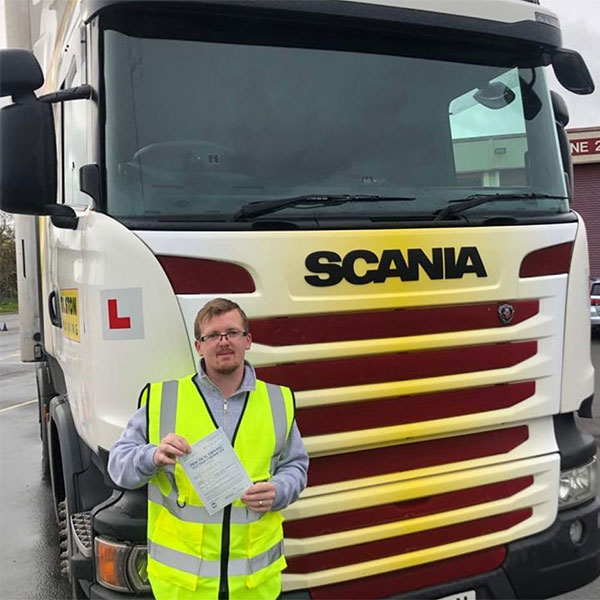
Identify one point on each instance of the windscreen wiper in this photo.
(460, 204)
(257, 209)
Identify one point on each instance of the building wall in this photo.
(585, 150)
(586, 201)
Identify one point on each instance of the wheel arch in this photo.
(65, 453)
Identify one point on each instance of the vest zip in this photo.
(226, 527)
(225, 539)
(195, 382)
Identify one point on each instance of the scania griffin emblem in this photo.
(506, 312)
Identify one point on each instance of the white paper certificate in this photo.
(215, 471)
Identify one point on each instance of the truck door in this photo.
(63, 273)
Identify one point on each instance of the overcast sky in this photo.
(2, 32)
(580, 22)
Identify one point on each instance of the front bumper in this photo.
(548, 563)
(98, 592)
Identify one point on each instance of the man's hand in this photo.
(260, 497)
(170, 447)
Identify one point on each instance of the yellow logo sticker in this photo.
(69, 309)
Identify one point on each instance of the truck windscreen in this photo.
(199, 129)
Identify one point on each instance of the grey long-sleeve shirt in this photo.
(131, 461)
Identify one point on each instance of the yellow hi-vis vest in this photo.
(235, 553)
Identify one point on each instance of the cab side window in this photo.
(73, 141)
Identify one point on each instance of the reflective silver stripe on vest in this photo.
(168, 419)
(212, 568)
(168, 407)
(183, 561)
(199, 514)
(247, 566)
(279, 421)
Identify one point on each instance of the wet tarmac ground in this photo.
(29, 557)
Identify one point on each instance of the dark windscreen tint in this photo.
(202, 128)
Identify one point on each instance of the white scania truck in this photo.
(384, 187)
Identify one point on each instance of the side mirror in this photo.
(559, 107)
(572, 72)
(28, 158)
(20, 73)
(28, 143)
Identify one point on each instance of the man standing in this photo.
(237, 552)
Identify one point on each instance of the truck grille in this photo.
(424, 458)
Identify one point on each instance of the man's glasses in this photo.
(232, 335)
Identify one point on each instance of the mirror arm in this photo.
(82, 92)
(62, 216)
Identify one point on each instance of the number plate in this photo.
(468, 595)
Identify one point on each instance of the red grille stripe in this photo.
(314, 329)
(403, 544)
(414, 578)
(203, 276)
(400, 511)
(418, 455)
(385, 412)
(379, 368)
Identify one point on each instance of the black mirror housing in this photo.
(28, 164)
(560, 109)
(27, 138)
(20, 73)
(27, 158)
(572, 72)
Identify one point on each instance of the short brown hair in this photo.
(214, 308)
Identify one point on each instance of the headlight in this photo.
(578, 485)
(121, 566)
(136, 568)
